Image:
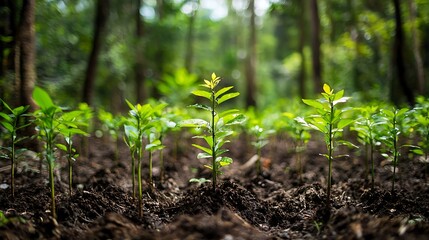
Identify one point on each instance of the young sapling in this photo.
(47, 125)
(421, 125)
(112, 124)
(330, 121)
(300, 135)
(11, 121)
(366, 127)
(130, 139)
(69, 127)
(137, 125)
(392, 129)
(218, 128)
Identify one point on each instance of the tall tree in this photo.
(8, 31)
(191, 35)
(251, 59)
(315, 46)
(398, 60)
(301, 45)
(25, 52)
(416, 48)
(139, 64)
(100, 21)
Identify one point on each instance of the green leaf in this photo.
(236, 119)
(313, 103)
(222, 91)
(344, 122)
(42, 99)
(130, 105)
(202, 93)
(194, 123)
(224, 161)
(208, 166)
(401, 112)
(341, 100)
(326, 88)
(203, 155)
(200, 106)
(6, 105)
(61, 147)
(228, 112)
(417, 151)
(8, 126)
(6, 117)
(339, 95)
(207, 150)
(20, 110)
(227, 97)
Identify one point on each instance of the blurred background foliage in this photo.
(183, 41)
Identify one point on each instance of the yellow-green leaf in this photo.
(326, 88)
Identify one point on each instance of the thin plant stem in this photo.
(139, 173)
(12, 169)
(372, 165)
(150, 170)
(213, 129)
(330, 149)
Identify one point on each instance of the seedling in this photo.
(368, 134)
(135, 128)
(330, 121)
(300, 135)
(112, 124)
(130, 138)
(86, 116)
(175, 88)
(218, 128)
(260, 133)
(392, 124)
(47, 125)
(164, 123)
(11, 122)
(154, 145)
(68, 128)
(421, 120)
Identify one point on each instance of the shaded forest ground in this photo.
(275, 205)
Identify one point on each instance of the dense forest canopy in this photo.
(105, 51)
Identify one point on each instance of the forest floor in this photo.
(274, 205)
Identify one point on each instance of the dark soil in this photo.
(274, 205)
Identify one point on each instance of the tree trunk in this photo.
(8, 30)
(416, 48)
(190, 38)
(315, 47)
(358, 83)
(398, 60)
(101, 17)
(302, 33)
(139, 64)
(25, 52)
(251, 59)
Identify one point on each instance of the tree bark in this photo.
(190, 38)
(25, 53)
(315, 46)
(8, 30)
(416, 48)
(101, 17)
(139, 64)
(251, 59)
(302, 36)
(398, 60)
